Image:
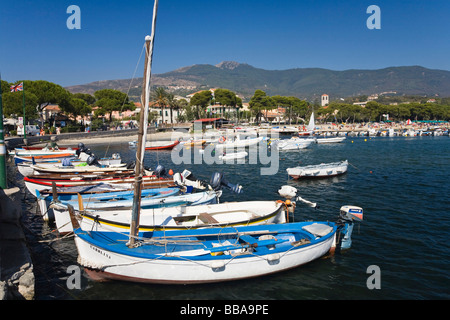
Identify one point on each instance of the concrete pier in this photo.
(16, 267)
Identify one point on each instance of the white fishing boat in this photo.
(43, 168)
(294, 143)
(21, 152)
(204, 255)
(237, 142)
(26, 168)
(318, 171)
(330, 140)
(196, 210)
(233, 155)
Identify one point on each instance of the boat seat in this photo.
(207, 218)
(248, 239)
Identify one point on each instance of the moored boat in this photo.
(161, 145)
(318, 171)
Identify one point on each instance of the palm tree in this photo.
(160, 97)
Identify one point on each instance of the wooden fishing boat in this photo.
(20, 152)
(204, 255)
(43, 158)
(81, 168)
(112, 218)
(161, 145)
(196, 210)
(322, 170)
(26, 168)
(35, 183)
(111, 199)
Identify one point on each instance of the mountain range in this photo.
(305, 83)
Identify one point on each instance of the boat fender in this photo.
(273, 257)
(217, 265)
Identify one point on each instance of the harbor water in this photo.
(402, 183)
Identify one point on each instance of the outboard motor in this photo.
(92, 160)
(217, 181)
(290, 193)
(347, 216)
(160, 171)
(131, 165)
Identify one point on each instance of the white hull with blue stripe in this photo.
(204, 255)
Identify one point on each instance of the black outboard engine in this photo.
(218, 181)
(160, 171)
(92, 160)
(131, 165)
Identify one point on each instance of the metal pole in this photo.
(3, 180)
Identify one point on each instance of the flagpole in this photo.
(3, 180)
(24, 122)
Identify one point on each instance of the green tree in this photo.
(201, 100)
(228, 98)
(260, 101)
(49, 93)
(110, 100)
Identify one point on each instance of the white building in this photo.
(325, 100)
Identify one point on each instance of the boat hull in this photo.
(164, 146)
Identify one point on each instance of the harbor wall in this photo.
(16, 267)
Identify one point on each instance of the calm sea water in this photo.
(401, 183)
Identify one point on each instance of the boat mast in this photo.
(142, 133)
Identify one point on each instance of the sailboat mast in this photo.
(142, 133)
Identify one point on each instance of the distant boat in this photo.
(161, 145)
(237, 143)
(293, 143)
(193, 143)
(330, 140)
(318, 171)
(234, 155)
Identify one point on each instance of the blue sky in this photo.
(35, 42)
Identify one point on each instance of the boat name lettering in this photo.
(100, 251)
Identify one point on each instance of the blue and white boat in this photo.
(203, 255)
(117, 199)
